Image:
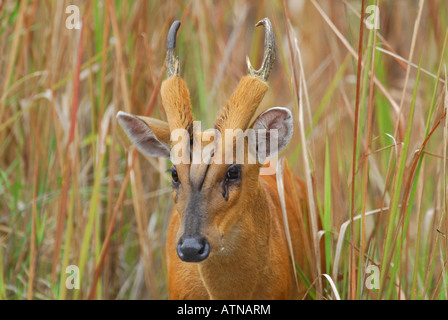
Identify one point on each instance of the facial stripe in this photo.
(198, 173)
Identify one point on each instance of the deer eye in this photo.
(233, 173)
(174, 176)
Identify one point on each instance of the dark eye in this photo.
(233, 173)
(174, 176)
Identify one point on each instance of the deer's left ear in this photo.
(150, 136)
(278, 125)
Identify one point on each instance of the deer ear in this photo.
(150, 136)
(273, 129)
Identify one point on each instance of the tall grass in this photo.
(370, 140)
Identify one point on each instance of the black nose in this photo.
(193, 249)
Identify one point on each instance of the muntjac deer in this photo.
(226, 238)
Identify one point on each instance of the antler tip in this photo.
(172, 61)
(171, 40)
(269, 52)
(262, 22)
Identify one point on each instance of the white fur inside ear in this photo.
(279, 119)
(142, 136)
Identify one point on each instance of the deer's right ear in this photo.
(150, 136)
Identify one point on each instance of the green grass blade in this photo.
(392, 225)
(327, 209)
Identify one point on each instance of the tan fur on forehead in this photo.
(242, 104)
(176, 102)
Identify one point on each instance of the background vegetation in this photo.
(371, 146)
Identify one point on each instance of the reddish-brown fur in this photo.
(239, 217)
(242, 104)
(176, 99)
(252, 269)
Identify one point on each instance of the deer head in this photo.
(212, 197)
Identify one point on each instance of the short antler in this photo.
(172, 61)
(174, 91)
(250, 91)
(269, 52)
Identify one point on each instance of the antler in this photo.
(174, 91)
(269, 52)
(172, 61)
(250, 91)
